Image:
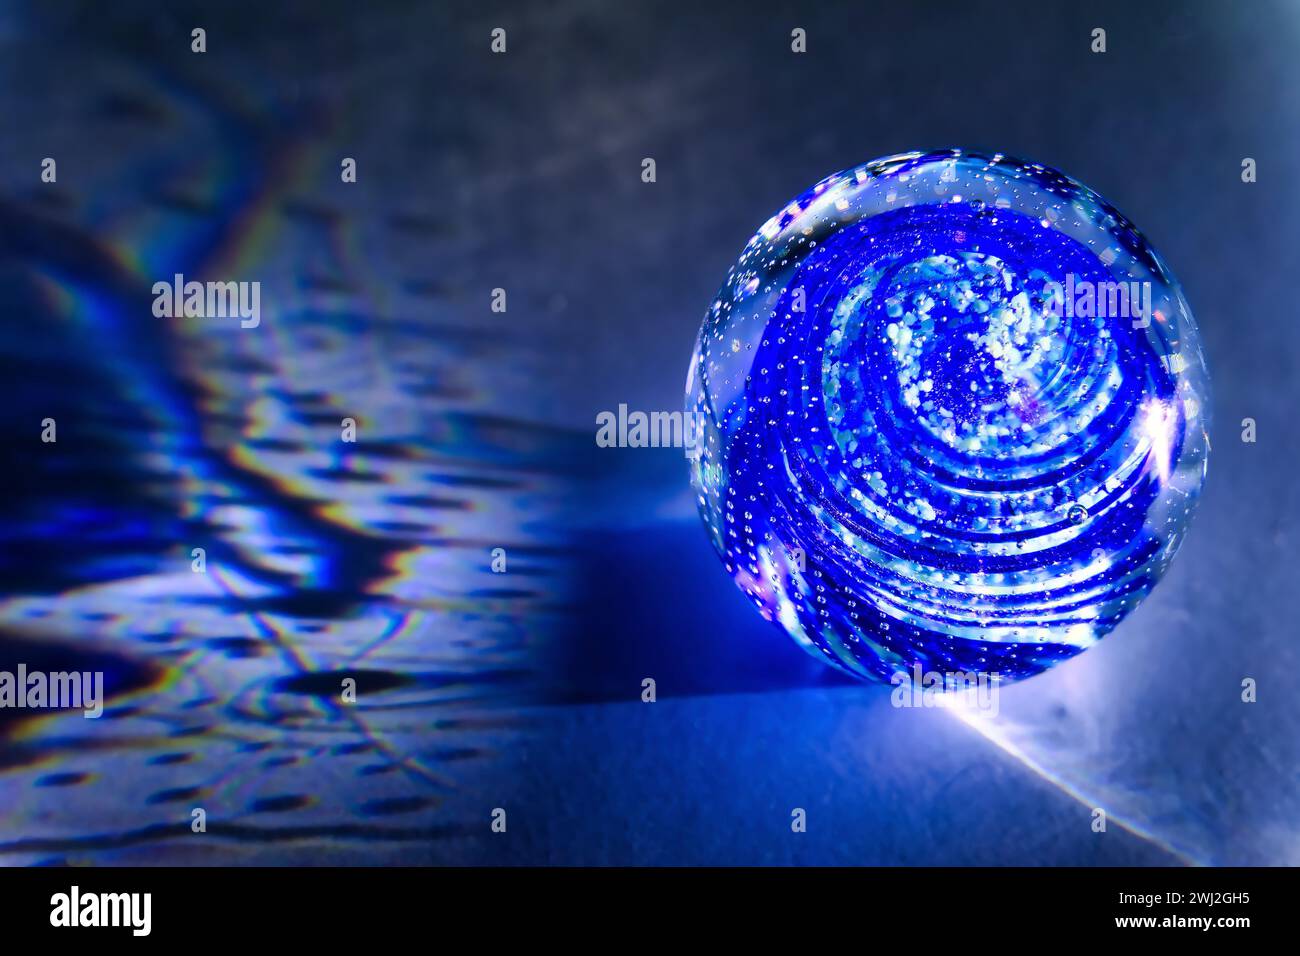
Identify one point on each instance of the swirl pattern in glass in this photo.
(955, 417)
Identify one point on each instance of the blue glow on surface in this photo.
(981, 475)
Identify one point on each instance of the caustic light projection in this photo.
(955, 416)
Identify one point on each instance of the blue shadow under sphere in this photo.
(954, 416)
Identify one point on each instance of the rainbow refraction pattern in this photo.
(955, 417)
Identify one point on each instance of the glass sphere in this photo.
(954, 415)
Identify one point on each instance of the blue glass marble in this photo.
(955, 416)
